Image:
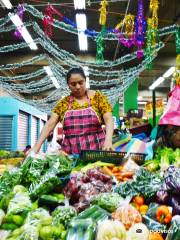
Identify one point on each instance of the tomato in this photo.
(139, 200)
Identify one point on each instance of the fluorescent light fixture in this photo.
(16, 20)
(82, 26)
(55, 82)
(142, 103)
(86, 72)
(48, 71)
(23, 30)
(169, 72)
(7, 4)
(83, 46)
(51, 75)
(79, 4)
(157, 83)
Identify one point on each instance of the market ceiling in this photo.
(168, 13)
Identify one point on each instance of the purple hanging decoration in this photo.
(140, 29)
(20, 13)
(125, 41)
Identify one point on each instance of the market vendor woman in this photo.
(82, 114)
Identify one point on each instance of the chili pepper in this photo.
(163, 215)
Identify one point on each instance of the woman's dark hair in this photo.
(50, 137)
(164, 136)
(78, 70)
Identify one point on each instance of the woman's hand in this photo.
(107, 146)
(63, 153)
(109, 131)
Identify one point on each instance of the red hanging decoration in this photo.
(48, 21)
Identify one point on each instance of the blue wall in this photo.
(11, 106)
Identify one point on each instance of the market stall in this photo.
(58, 197)
(88, 195)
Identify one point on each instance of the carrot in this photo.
(127, 174)
(107, 171)
(125, 179)
(117, 174)
(119, 178)
(115, 169)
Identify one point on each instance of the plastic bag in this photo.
(174, 230)
(30, 230)
(81, 229)
(36, 169)
(45, 184)
(108, 201)
(171, 114)
(152, 224)
(151, 213)
(127, 214)
(19, 203)
(130, 165)
(63, 215)
(4, 234)
(9, 180)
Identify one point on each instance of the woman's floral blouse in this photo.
(99, 103)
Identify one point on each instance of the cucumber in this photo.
(49, 201)
(89, 234)
(80, 233)
(88, 212)
(71, 234)
(82, 223)
(104, 216)
(96, 215)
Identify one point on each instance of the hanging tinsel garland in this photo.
(152, 34)
(127, 76)
(127, 39)
(176, 75)
(20, 13)
(100, 36)
(140, 29)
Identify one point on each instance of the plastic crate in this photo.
(110, 156)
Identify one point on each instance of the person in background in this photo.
(168, 133)
(52, 144)
(82, 114)
(27, 149)
(168, 136)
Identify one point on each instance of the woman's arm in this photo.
(109, 131)
(49, 126)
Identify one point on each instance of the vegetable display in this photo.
(111, 230)
(163, 215)
(53, 197)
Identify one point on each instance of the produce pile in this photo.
(53, 197)
(10, 159)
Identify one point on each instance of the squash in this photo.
(109, 230)
(155, 236)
